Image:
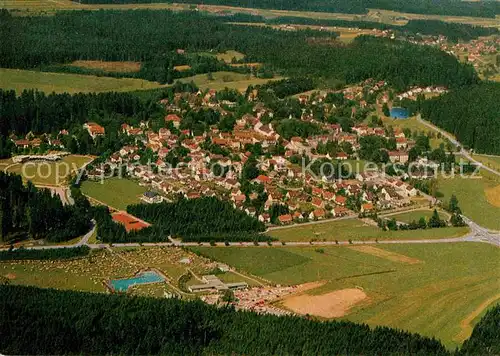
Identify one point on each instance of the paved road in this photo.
(462, 151)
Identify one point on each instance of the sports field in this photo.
(356, 229)
(115, 192)
(46, 173)
(223, 80)
(472, 198)
(430, 289)
(20, 80)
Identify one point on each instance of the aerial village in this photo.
(215, 160)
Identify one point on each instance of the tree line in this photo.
(68, 322)
(119, 36)
(45, 254)
(441, 7)
(470, 114)
(28, 211)
(453, 31)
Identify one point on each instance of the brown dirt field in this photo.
(120, 67)
(10, 276)
(391, 256)
(182, 68)
(493, 196)
(335, 304)
(251, 65)
(466, 323)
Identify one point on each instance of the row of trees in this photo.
(48, 254)
(24, 209)
(442, 7)
(119, 35)
(67, 322)
(471, 114)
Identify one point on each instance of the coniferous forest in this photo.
(471, 114)
(87, 323)
(35, 42)
(25, 209)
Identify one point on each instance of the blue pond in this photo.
(399, 113)
(121, 285)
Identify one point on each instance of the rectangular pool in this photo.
(122, 285)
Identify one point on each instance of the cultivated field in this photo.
(430, 289)
(20, 80)
(119, 67)
(472, 198)
(47, 173)
(114, 192)
(356, 229)
(223, 80)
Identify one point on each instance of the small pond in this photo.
(399, 113)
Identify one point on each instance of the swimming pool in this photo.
(399, 113)
(122, 285)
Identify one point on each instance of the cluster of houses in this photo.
(305, 196)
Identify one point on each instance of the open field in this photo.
(19, 80)
(229, 55)
(223, 80)
(46, 173)
(115, 192)
(435, 296)
(471, 194)
(119, 67)
(356, 229)
(384, 16)
(416, 215)
(488, 161)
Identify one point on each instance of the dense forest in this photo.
(440, 7)
(34, 42)
(47, 321)
(485, 338)
(46, 254)
(26, 210)
(204, 216)
(471, 114)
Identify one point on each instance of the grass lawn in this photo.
(229, 55)
(489, 161)
(415, 215)
(356, 229)
(223, 80)
(46, 173)
(70, 83)
(471, 194)
(115, 192)
(432, 297)
(414, 125)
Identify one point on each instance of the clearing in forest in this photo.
(116, 67)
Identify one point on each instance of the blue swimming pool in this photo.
(122, 285)
(399, 113)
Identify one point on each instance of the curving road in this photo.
(462, 151)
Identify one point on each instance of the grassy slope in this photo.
(472, 199)
(415, 215)
(71, 83)
(117, 193)
(431, 297)
(356, 229)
